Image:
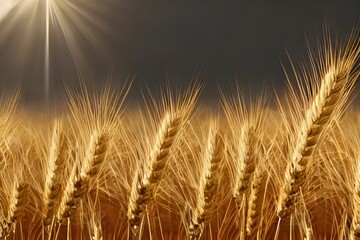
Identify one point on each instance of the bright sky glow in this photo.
(65, 17)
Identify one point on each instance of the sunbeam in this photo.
(47, 52)
(37, 21)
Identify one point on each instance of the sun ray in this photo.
(75, 23)
(47, 52)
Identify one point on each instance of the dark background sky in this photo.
(229, 41)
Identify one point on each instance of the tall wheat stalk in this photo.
(54, 182)
(94, 119)
(145, 185)
(208, 185)
(336, 83)
(247, 160)
(178, 111)
(246, 123)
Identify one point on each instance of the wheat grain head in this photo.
(208, 185)
(54, 182)
(95, 120)
(337, 79)
(178, 111)
(246, 123)
(258, 190)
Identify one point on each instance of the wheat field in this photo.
(173, 169)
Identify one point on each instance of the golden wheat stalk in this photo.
(208, 183)
(246, 123)
(78, 186)
(325, 107)
(145, 185)
(54, 177)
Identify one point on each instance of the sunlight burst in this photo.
(68, 21)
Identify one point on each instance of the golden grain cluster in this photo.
(172, 170)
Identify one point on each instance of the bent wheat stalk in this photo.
(325, 107)
(145, 185)
(208, 184)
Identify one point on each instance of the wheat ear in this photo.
(17, 201)
(54, 177)
(79, 185)
(208, 184)
(255, 201)
(246, 162)
(322, 110)
(17, 204)
(145, 185)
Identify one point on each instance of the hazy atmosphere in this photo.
(228, 41)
